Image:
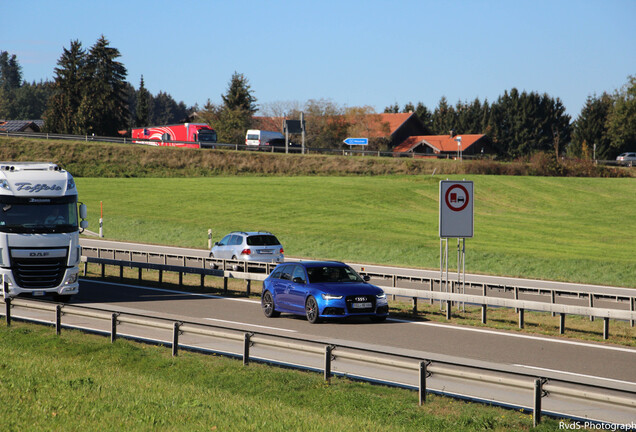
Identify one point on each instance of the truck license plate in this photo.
(38, 293)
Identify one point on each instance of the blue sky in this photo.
(353, 53)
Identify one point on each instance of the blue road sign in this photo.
(357, 141)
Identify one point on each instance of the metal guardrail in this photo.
(432, 289)
(330, 353)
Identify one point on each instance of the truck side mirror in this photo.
(83, 212)
(84, 224)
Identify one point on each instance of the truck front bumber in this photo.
(69, 285)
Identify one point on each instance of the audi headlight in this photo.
(331, 297)
(381, 296)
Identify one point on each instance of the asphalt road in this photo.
(537, 354)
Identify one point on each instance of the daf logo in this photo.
(360, 299)
(38, 254)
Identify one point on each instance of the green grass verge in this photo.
(567, 229)
(79, 382)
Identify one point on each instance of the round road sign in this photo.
(457, 197)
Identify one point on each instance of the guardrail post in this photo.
(538, 394)
(246, 348)
(430, 288)
(521, 313)
(591, 296)
(483, 313)
(175, 339)
(423, 375)
(85, 267)
(7, 303)
(414, 305)
(553, 300)
(328, 357)
(632, 308)
(121, 273)
(58, 319)
(448, 309)
(224, 286)
(160, 276)
(140, 274)
(605, 328)
(562, 323)
(516, 296)
(248, 287)
(113, 327)
(180, 279)
(103, 270)
(202, 280)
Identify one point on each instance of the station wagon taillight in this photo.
(246, 252)
(281, 250)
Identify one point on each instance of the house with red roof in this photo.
(444, 145)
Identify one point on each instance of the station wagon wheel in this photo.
(311, 310)
(267, 303)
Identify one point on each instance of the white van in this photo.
(257, 138)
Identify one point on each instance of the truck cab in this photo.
(39, 230)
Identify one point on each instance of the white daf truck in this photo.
(39, 230)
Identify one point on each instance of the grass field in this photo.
(79, 382)
(568, 229)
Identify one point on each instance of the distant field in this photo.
(568, 229)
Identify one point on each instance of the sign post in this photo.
(456, 219)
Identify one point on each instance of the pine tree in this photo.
(239, 95)
(70, 80)
(621, 122)
(104, 106)
(142, 116)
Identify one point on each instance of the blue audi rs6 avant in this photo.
(321, 289)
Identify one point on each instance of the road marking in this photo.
(452, 327)
(251, 325)
(575, 374)
(522, 336)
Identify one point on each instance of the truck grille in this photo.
(39, 273)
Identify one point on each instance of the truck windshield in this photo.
(38, 215)
(207, 136)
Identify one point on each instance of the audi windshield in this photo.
(38, 215)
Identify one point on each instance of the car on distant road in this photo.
(322, 289)
(249, 246)
(628, 159)
(278, 145)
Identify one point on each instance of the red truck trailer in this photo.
(193, 135)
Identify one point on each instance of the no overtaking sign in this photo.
(455, 209)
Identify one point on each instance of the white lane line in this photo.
(522, 336)
(575, 374)
(251, 325)
(178, 292)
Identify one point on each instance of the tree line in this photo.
(90, 95)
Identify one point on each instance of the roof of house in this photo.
(20, 125)
(439, 143)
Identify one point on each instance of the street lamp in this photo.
(459, 147)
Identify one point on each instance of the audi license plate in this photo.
(367, 305)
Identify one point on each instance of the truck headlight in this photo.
(72, 279)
